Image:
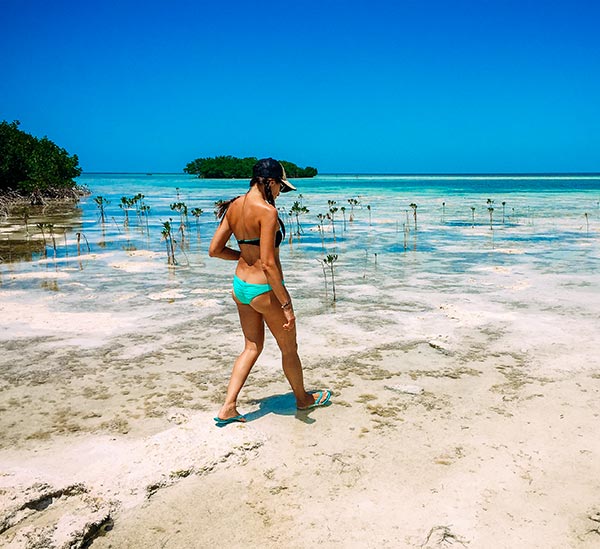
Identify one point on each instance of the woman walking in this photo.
(258, 288)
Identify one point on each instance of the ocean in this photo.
(392, 239)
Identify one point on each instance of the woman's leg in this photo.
(254, 335)
(270, 309)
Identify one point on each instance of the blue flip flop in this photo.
(318, 402)
(221, 422)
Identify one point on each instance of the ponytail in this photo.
(269, 195)
(221, 207)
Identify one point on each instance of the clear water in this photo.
(539, 228)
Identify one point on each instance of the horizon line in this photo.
(398, 174)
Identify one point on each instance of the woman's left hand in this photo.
(290, 319)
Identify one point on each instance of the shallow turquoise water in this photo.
(383, 261)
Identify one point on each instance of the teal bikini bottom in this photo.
(246, 292)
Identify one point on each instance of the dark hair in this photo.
(264, 181)
(222, 206)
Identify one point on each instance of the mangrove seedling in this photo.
(353, 202)
(329, 261)
(503, 211)
(321, 218)
(369, 208)
(491, 211)
(182, 208)
(443, 212)
(414, 209)
(297, 210)
(145, 210)
(197, 212)
(323, 264)
(101, 202)
(472, 216)
(79, 236)
(169, 240)
(138, 202)
(587, 224)
(343, 208)
(125, 204)
(331, 215)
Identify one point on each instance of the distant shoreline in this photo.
(381, 174)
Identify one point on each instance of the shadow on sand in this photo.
(283, 405)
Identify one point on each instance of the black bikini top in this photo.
(279, 235)
(256, 241)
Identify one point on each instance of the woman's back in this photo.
(248, 217)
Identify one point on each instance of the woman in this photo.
(258, 289)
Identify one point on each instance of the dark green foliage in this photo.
(294, 171)
(231, 167)
(30, 165)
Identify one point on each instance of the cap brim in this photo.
(286, 186)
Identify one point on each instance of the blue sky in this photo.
(370, 87)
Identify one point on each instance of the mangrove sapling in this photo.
(79, 237)
(169, 240)
(503, 211)
(414, 209)
(472, 216)
(353, 202)
(331, 215)
(116, 224)
(101, 202)
(145, 211)
(369, 208)
(182, 208)
(491, 212)
(297, 210)
(329, 261)
(323, 264)
(443, 212)
(587, 224)
(321, 218)
(343, 208)
(125, 204)
(197, 212)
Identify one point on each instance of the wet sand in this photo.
(459, 418)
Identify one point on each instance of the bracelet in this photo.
(286, 305)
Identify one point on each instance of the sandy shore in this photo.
(466, 381)
(455, 422)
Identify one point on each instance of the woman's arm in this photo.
(218, 244)
(269, 223)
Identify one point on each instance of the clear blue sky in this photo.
(379, 86)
